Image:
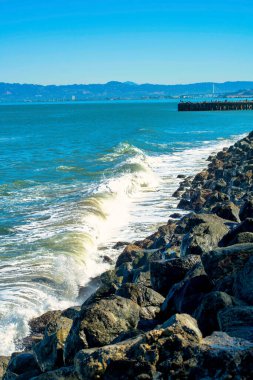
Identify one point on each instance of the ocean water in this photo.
(78, 177)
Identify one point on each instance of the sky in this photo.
(154, 41)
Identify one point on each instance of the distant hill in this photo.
(11, 92)
(241, 94)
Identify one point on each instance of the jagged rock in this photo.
(131, 252)
(229, 238)
(4, 360)
(92, 363)
(64, 373)
(47, 353)
(23, 362)
(55, 321)
(243, 284)
(148, 299)
(109, 283)
(165, 273)
(141, 277)
(242, 238)
(206, 313)
(224, 266)
(228, 211)
(246, 210)
(125, 270)
(100, 323)
(22, 366)
(203, 233)
(185, 296)
(141, 353)
(237, 321)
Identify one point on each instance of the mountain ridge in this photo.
(115, 90)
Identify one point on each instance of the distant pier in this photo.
(244, 105)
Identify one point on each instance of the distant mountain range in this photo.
(15, 92)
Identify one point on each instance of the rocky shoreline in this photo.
(177, 305)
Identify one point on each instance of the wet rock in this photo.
(130, 253)
(237, 321)
(107, 259)
(176, 215)
(47, 354)
(206, 313)
(109, 282)
(203, 233)
(165, 273)
(120, 244)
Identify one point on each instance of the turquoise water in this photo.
(76, 178)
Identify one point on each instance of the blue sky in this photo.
(95, 41)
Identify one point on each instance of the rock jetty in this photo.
(177, 305)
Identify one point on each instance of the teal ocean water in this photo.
(77, 178)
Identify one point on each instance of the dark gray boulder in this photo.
(206, 313)
(148, 299)
(23, 362)
(165, 273)
(246, 210)
(227, 210)
(237, 321)
(100, 323)
(64, 373)
(225, 267)
(186, 295)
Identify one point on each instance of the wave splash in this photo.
(57, 250)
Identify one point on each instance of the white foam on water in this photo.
(64, 248)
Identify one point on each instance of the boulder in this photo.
(224, 266)
(4, 360)
(246, 210)
(229, 238)
(186, 295)
(137, 358)
(165, 273)
(148, 299)
(64, 373)
(130, 253)
(100, 323)
(237, 321)
(92, 363)
(22, 366)
(243, 284)
(206, 313)
(47, 353)
(203, 233)
(228, 211)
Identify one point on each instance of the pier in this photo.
(244, 105)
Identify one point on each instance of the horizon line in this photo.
(123, 82)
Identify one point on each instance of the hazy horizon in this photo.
(123, 82)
